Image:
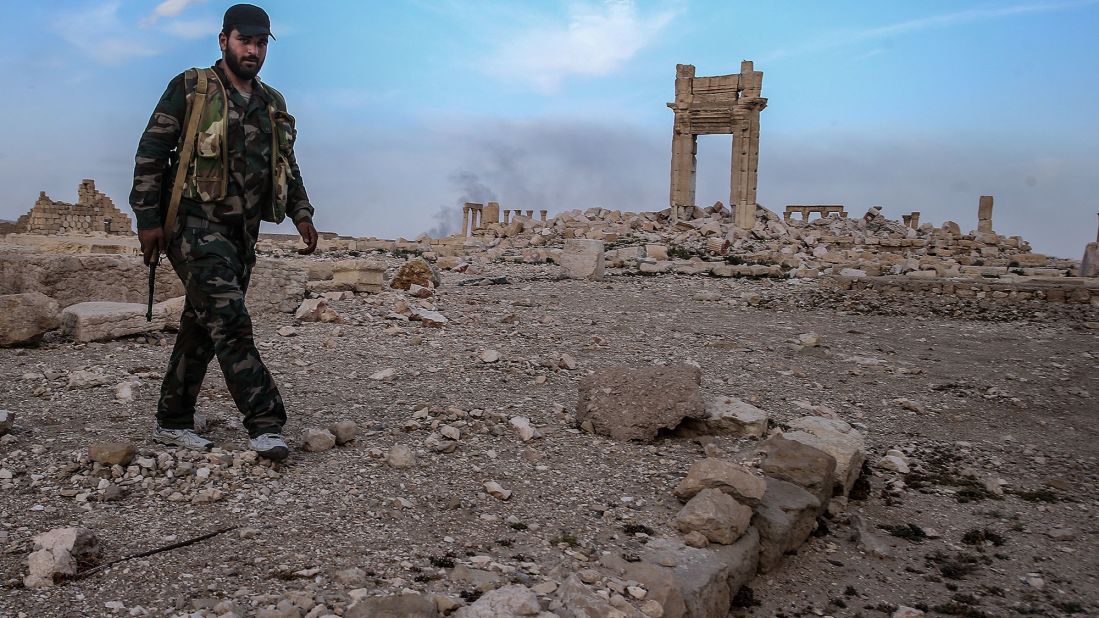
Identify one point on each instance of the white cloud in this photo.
(597, 40)
(168, 8)
(99, 34)
(846, 37)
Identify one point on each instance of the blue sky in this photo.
(406, 109)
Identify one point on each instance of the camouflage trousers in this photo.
(215, 270)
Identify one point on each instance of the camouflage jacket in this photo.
(249, 161)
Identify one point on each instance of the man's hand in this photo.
(308, 236)
(152, 244)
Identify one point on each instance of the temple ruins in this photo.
(718, 105)
(92, 212)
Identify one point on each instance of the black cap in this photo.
(247, 19)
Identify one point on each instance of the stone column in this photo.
(507, 216)
(530, 215)
(684, 143)
(984, 215)
(465, 220)
(915, 219)
(542, 215)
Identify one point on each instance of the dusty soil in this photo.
(989, 400)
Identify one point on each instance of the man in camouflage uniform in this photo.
(212, 245)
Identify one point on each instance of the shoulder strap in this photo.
(197, 104)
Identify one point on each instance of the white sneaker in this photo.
(270, 446)
(185, 438)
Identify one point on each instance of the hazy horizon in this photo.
(406, 111)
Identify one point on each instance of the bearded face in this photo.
(244, 55)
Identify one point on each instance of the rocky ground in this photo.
(992, 408)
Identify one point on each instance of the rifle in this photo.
(152, 288)
(164, 208)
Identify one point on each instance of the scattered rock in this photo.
(317, 310)
(7, 421)
(507, 602)
(287, 331)
(415, 272)
(495, 490)
(344, 432)
(490, 356)
(317, 440)
(59, 553)
(729, 416)
(522, 426)
(400, 457)
(385, 375)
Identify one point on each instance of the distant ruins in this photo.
(92, 212)
(719, 105)
(477, 217)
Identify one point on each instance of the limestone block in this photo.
(24, 318)
(656, 252)
(700, 582)
(838, 439)
(727, 476)
(103, 321)
(801, 464)
(583, 259)
(785, 519)
(514, 600)
(366, 276)
(59, 553)
(715, 514)
(635, 403)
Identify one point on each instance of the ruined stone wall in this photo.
(276, 286)
(92, 212)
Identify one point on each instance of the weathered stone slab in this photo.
(729, 477)
(716, 515)
(785, 519)
(583, 259)
(394, 606)
(24, 318)
(729, 416)
(364, 276)
(838, 439)
(796, 462)
(103, 321)
(635, 403)
(700, 582)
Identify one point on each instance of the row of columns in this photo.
(476, 216)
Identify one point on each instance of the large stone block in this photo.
(715, 514)
(731, 478)
(838, 439)
(635, 403)
(796, 462)
(364, 276)
(583, 259)
(695, 583)
(394, 606)
(785, 519)
(729, 416)
(103, 321)
(24, 318)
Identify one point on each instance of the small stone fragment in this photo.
(344, 431)
(495, 490)
(317, 440)
(400, 457)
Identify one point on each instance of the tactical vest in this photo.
(208, 171)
